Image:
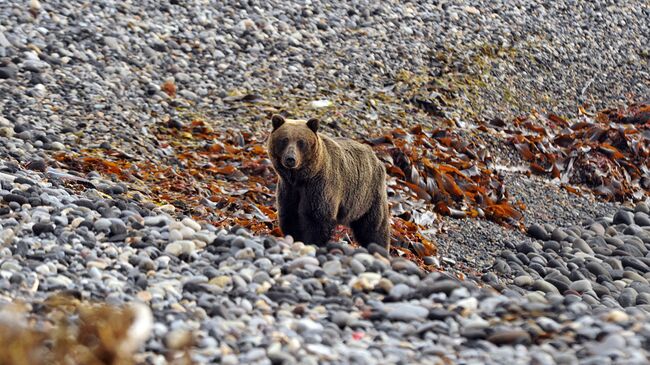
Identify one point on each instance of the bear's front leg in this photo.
(318, 218)
(318, 231)
(288, 208)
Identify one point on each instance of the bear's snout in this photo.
(290, 159)
(290, 162)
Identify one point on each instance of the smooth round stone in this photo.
(176, 248)
(614, 241)
(601, 290)
(59, 281)
(643, 298)
(245, 254)
(616, 316)
(15, 198)
(597, 269)
(510, 337)
(42, 227)
(405, 312)
(399, 291)
(623, 217)
(43, 269)
(147, 264)
(490, 278)
(552, 245)
(614, 263)
(526, 248)
(405, 266)
(221, 281)
(446, 286)
(541, 270)
(561, 285)
(10, 265)
(548, 324)
(102, 225)
(341, 318)
(634, 230)
(634, 263)
(612, 345)
(191, 223)
(642, 219)
(545, 286)
(366, 281)
(628, 297)
(581, 245)
(597, 228)
(117, 227)
(523, 281)
(581, 286)
(642, 207)
(156, 221)
(261, 277)
(571, 298)
(175, 235)
(558, 235)
(332, 268)
(356, 266)
(302, 262)
(539, 232)
(536, 297)
(306, 324)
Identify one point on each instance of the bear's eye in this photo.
(284, 141)
(301, 143)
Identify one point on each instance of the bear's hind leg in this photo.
(374, 226)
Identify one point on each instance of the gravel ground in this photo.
(79, 75)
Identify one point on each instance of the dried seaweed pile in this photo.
(447, 172)
(608, 152)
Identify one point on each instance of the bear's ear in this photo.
(313, 124)
(277, 121)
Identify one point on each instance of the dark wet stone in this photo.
(559, 235)
(440, 314)
(39, 228)
(583, 246)
(614, 241)
(627, 297)
(15, 198)
(545, 286)
(600, 289)
(541, 270)
(559, 284)
(474, 333)
(510, 337)
(8, 72)
(552, 245)
(525, 248)
(643, 298)
(538, 232)
(85, 203)
(427, 288)
(597, 269)
(523, 258)
(623, 217)
(634, 263)
(375, 248)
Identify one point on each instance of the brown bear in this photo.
(327, 181)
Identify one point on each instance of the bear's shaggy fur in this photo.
(327, 181)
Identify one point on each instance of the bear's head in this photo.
(294, 146)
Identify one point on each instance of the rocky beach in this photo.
(136, 198)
